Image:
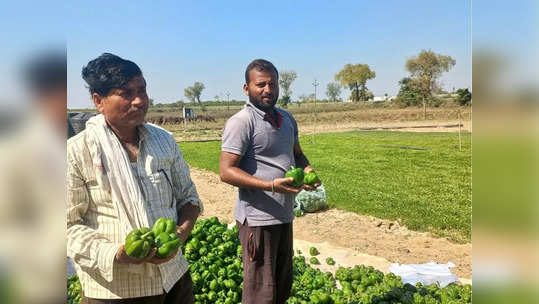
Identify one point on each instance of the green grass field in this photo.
(381, 174)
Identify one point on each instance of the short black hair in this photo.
(108, 72)
(260, 65)
(46, 72)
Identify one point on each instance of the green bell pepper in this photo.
(139, 242)
(310, 178)
(166, 237)
(159, 226)
(297, 174)
(230, 284)
(167, 248)
(161, 239)
(214, 285)
(164, 225)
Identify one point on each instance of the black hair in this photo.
(260, 65)
(108, 72)
(46, 72)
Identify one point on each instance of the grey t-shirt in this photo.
(267, 153)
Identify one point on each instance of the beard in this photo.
(263, 105)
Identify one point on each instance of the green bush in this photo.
(464, 97)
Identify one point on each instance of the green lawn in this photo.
(373, 173)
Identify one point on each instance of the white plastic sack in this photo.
(427, 274)
(311, 201)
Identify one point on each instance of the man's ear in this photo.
(98, 102)
(246, 89)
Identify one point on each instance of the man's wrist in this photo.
(268, 185)
(119, 255)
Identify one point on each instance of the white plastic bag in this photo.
(311, 201)
(427, 274)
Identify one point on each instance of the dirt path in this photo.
(403, 126)
(308, 128)
(360, 233)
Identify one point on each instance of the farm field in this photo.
(319, 118)
(323, 119)
(421, 180)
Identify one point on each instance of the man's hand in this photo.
(187, 218)
(156, 260)
(123, 258)
(182, 234)
(309, 187)
(309, 169)
(282, 185)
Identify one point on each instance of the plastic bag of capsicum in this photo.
(312, 201)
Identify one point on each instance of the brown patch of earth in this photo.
(362, 234)
(325, 127)
(403, 126)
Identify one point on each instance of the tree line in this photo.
(417, 89)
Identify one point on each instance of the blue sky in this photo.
(177, 44)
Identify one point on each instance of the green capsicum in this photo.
(297, 174)
(167, 248)
(163, 225)
(166, 238)
(310, 179)
(139, 242)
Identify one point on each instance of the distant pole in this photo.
(227, 101)
(460, 122)
(184, 118)
(315, 84)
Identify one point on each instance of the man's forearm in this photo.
(85, 243)
(239, 178)
(187, 218)
(301, 160)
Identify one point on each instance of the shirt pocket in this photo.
(161, 189)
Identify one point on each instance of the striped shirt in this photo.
(94, 231)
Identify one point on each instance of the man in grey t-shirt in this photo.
(259, 145)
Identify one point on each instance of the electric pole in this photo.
(315, 84)
(227, 101)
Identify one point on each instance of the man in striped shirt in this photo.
(149, 157)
